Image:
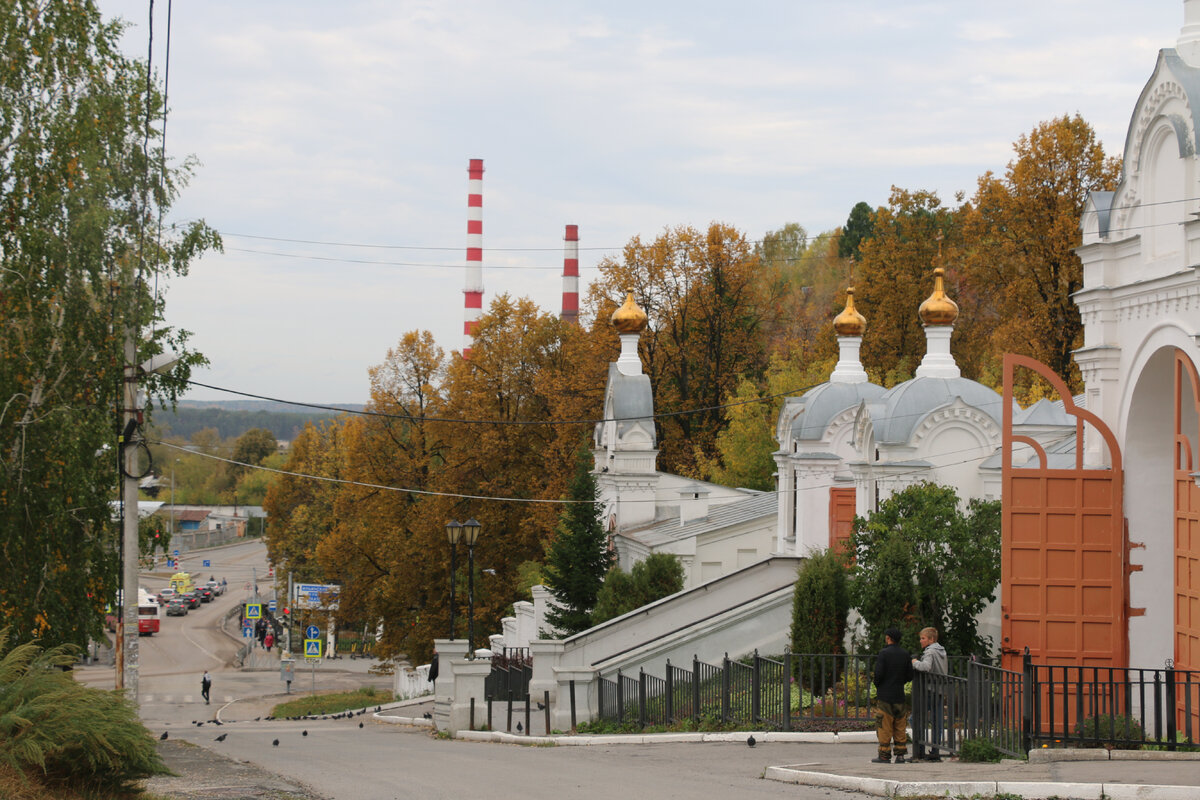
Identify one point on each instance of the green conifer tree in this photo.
(579, 556)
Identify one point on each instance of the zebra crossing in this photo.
(184, 698)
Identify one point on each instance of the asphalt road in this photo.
(339, 760)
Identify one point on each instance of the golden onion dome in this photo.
(938, 309)
(849, 322)
(629, 318)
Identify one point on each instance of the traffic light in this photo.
(287, 611)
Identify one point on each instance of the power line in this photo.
(412, 418)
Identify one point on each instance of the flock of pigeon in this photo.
(275, 742)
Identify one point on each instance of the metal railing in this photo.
(512, 669)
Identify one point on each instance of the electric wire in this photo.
(531, 422)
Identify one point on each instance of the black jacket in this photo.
(893, 669)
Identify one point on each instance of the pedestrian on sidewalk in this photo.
(933, 662)
(893, 669)
(269, 640)
(205, 686)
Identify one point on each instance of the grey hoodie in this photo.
(933, 660)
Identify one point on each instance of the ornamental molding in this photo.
(961, 414)
(1146, 304)
(1166, 91)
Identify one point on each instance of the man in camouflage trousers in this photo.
(893, 669)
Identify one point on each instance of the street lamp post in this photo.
(470, 536)
(454, 530)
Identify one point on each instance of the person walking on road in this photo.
(893, 669)
(205, 685)
(933, 661)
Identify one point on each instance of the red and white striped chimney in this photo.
(570, 276)
(473, 288)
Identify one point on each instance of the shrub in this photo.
(820, 604)
(1103, 730)
(979, 750)
(75, 736)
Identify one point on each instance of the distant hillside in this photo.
(232, 418)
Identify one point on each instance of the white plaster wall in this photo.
(723, 548)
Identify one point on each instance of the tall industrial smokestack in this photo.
(473, 288)
(570, 276)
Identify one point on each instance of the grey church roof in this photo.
(822, 403)
(900, 409)
(758, 505)
(632, 400)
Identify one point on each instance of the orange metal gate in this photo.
(1064, 579)
(841, 518)
(1187, 535)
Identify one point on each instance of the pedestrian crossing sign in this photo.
(312, 648)
(253, 610)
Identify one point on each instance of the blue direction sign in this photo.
(253, 610)
(207, 562)
(176, 552)
(312, 632)
(312, 648)
(271, 606)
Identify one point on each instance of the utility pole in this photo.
(127, 630)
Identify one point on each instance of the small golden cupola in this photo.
(938, 309)
(849, 322)
(629, 318)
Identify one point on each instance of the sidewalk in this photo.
(843, 761)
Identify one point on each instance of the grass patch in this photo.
(333, 703)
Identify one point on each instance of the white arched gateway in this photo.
(1140, 305)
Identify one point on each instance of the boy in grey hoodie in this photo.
(934, 661)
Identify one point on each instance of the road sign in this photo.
(316, 595)
(312, 632)
(253, 610)
(312, 648)
(170, 564)
(176, 553)
(271, 606)
(207, 562)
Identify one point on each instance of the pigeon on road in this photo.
(275, 743)
(163, 738)
(221, 738)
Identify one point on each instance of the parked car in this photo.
(192, 599)
(177, 607)
(217, 587)
(206, 594)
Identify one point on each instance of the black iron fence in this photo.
(1111, 706)
(512, 669)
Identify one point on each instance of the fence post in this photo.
(510, 699)
(787, 689)
(755, 685)
(471, 722)
(696, 688)
(670, 695)
(528, 704)
(1029, 699)
(974, 694)
(725, 688)
(572, 685)
(620, 699)
(641, 698)
(1171, 710)
(546, 708)
(489, 707)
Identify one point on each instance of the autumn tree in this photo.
(705, 317)
(1024, 227)
(895, 274)
(745, 445)
(253, 446)
(81, 184)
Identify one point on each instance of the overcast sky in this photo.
(351, 123)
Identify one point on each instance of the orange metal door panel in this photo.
(841, 518)
(1187, 536)
(1064, 589)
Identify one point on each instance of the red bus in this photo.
(149, 615)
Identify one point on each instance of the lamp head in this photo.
(453, 531)
(470, 532)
